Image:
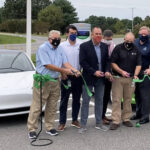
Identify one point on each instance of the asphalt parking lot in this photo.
(13, 135)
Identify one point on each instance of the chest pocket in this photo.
(56, 59)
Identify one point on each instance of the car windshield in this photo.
(14, 62)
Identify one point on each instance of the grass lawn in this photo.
(33, 58)
(7, 39)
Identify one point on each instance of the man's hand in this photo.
(77, 73)
(109, 76)
(99, 74)
(136, 77)
(147, 71)
(125, 74)
(67, 71)
(63, 76)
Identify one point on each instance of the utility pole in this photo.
(28, 28)
(132, 17)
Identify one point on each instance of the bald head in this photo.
(129, 37)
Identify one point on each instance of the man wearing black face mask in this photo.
(126, 65)
(49, 61)
(142, 92)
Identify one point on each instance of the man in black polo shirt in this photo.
(126, 65)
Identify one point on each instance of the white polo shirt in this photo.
(72, 53)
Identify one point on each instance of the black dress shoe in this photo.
(114, 126)
(127, 124)
(143, 121)
(135, 117)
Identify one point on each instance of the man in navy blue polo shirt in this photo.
(142, 92)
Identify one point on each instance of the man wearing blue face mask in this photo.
(142, 92)
(71, 49)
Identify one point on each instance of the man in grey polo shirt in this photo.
(71, 49)
(49, 60)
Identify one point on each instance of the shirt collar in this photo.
(95, 44)
(68, 43)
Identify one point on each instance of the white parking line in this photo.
(108, 113)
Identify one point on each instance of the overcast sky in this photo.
(110, 8)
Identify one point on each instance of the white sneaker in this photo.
(101, 127)
(82, 130)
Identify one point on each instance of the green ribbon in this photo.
(66, 86)
(86, 87)
(141, 80)
(85, 84)
(42, 78)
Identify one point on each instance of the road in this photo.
(14, 135)
(38, 41)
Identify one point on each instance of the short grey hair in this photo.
(145, 28)
(53, 32)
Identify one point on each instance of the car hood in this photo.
(14, 82)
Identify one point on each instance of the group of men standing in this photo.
(102, 66)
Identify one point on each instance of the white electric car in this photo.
(16, 82)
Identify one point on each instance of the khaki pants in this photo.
(121, 88)
(50, 96)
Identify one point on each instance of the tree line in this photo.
(47, 15)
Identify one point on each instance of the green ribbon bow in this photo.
(139, 81)
(42, 78)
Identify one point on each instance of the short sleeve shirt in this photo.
(127, 60)
(45, 55)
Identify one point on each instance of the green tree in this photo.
(38, 5)
(1, 14)
(16, 9)
(137, 20)
(119, 27)
(110, 23)
(93, 20)
(127, 25)
(69, 13)
(53, 15)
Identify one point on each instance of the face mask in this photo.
(128, 45)
(108, 42)
(98, 39)
(72, 37)
(55, 42)
(144, 39)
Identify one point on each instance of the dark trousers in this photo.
(142, 96)
(107, 96)
(76, 90)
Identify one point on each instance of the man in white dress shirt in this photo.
(71, 49)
